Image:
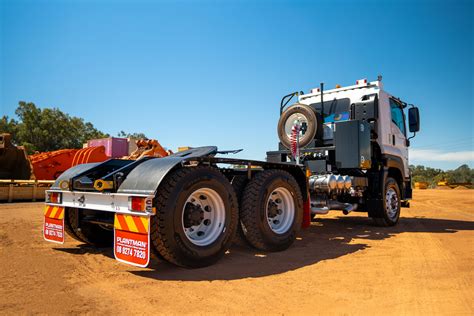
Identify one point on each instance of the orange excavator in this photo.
(16, 164)
(49, 165)
(148, 148)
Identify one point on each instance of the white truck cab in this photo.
(357, 132)
(391, 130)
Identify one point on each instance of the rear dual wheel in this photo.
(271, 212)
(196, 217)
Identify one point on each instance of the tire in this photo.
(259, 205)
(202, 194)
(389, 214)
(88, 233)
(306, 115)
(238, 183)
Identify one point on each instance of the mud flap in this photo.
(307, 213)
(53, 225)
(132, 239)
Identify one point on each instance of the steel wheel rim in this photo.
(281, 220)
(212, 223)
(391, 203)
(295, 119)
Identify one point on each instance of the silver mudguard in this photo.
(146, 177)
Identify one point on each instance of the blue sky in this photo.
(213, 72)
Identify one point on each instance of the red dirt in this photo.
(340, 265)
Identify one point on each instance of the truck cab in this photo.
(357, 132)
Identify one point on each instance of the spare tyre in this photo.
(309, 120)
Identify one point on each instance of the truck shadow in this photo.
(85, 248)
(326, 239)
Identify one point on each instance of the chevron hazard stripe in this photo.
(56, 212)
(132, 239)
(132, 223)
(53, 225)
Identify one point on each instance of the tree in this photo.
(463, 174)
(131, 135)
(9, 125)
(48, 129)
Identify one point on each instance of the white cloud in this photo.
(438, 155)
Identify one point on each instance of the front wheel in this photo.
(272, 210)
(196, 217)
(389, 214)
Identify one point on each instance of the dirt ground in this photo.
(340, 265)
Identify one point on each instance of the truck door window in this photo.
(397, 116)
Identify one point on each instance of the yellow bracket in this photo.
(101, 185)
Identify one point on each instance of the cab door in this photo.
(398, 140)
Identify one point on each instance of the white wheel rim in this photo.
(280, 210)
(295, 119)
(212, 221)
(391, 203)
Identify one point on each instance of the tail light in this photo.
(139, 204)
(54, 197)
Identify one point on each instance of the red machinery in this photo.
(49, 165)
(16, 164)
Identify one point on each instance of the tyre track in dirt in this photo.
(341, 264)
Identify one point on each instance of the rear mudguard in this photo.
(145, 177)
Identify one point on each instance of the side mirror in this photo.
(413, 119)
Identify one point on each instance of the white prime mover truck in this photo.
(343, 149)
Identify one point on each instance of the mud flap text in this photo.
(132, 239)
(53, 227)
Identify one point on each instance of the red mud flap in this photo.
(132, 239)
(53, 227)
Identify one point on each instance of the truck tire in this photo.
(272, 210)
(389, 214)
(88, 233)
(306, 115)
(238, 183)
(196, 218)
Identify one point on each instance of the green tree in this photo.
(9, 125)
(462, 174)
(48, 129)
(132, 135)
